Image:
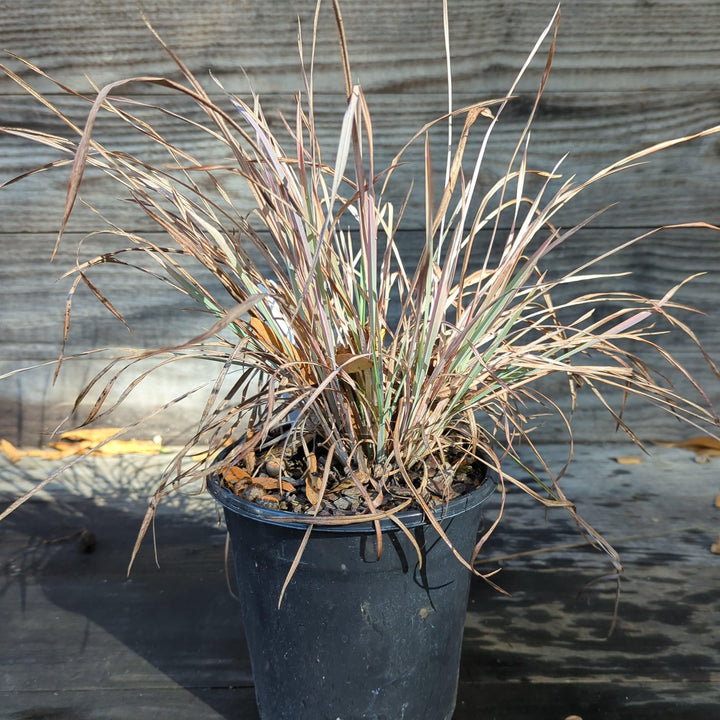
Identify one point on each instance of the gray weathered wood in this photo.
(614, 44)
(32, 406)
(81, 640)
(625, 75)
(594, 129)
(154, 311)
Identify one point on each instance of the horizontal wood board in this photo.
(594, 130)
(34, 404)
(615, 44)
(80, 640)
(625, 75)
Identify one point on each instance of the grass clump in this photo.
(337, 361)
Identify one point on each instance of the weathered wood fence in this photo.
(626, 74)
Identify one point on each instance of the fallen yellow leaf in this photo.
(128, 447)
(90, 435)
(628, 460)
(59, 451)
(82, 441)
(109, 449)
(701, 442)
(704, 447)
(13, 454)
(715, 547)
(717, 501)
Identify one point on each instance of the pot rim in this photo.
(409, 518)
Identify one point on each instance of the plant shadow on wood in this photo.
(179, 618)
(543, 642)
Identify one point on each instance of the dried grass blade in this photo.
(295, 563)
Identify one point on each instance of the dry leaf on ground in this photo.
(269, 483)
(629, 460)
(78, 442)
(312, 488)
(704, 447)
(10, 450)
(93, 435)
(236, 474)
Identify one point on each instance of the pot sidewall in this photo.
(357, 636)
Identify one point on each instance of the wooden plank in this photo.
(669, 493)
(548, 639)
(642, 700)
(626, 75)
(32, 406)
(596, 129)
(80, 640)
(515, 700)
(134, 634)
(158, 315)
(135, 704)
(154, 312)
(639, 46)
(78, 630)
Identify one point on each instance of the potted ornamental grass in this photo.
(366, 403)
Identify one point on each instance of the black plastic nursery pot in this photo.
(356, 637)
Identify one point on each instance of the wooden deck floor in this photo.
(79, 641)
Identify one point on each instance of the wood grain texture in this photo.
(155, 311)
(626, 74)
(80, 640)
(610, 45)
(594, 130)
(32, 405)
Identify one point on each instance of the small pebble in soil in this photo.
(343, 504)
(272, 467)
